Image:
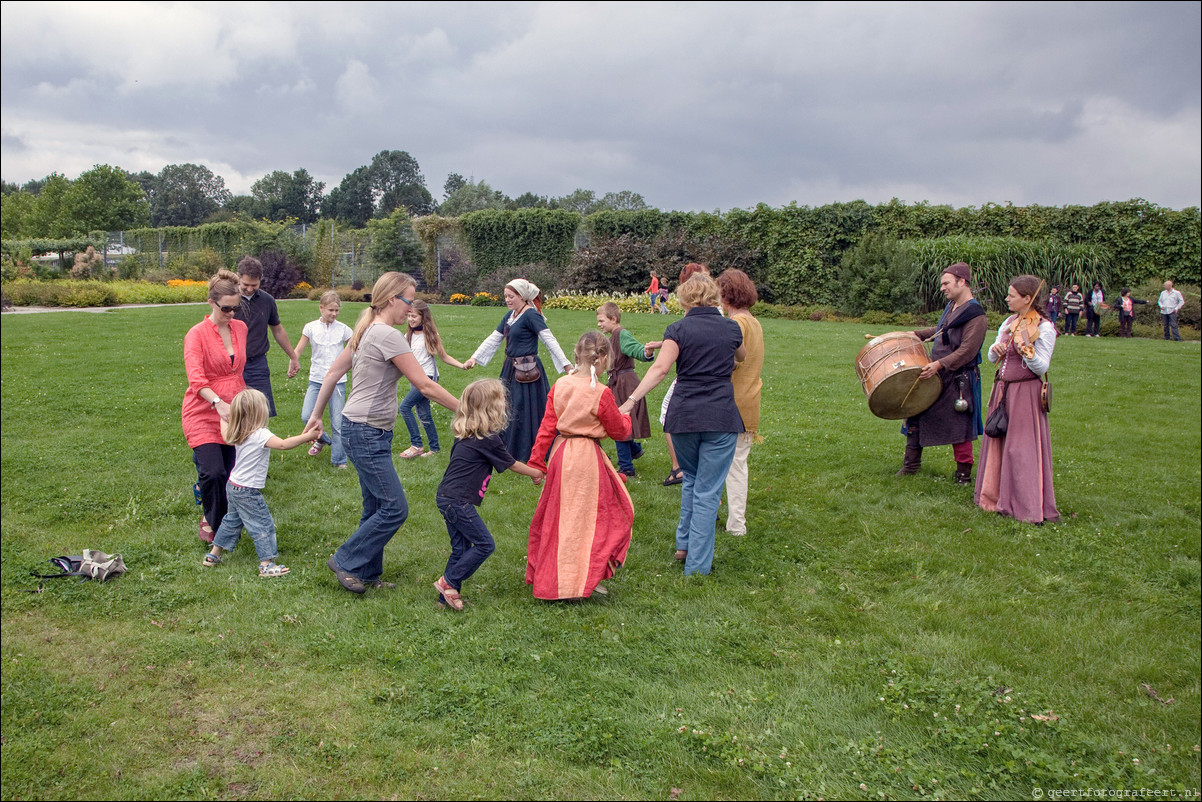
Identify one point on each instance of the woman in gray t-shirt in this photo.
(379, 356)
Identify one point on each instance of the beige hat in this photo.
(525, 289)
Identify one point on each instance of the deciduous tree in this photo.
(186, 194)
(104, 199)
(351, 201)
(396, 181)
(471, 198)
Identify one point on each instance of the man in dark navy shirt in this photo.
(258, 311)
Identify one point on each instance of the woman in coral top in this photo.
(214, 355)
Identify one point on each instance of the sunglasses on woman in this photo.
(229, 310)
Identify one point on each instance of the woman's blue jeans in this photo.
(384, 505)
(333, 438)
(705, 459)
(415, 400)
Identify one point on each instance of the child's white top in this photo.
(251, 459)
(327, 342)
(424, 357)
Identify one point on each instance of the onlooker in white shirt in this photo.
(1170, 303)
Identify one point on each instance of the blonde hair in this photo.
(699, 290)
(483, 410)
(248, 414)
(330, 298)
(222, 285)
(611, 310)
(592, 346)
(387, 287)
(433, 341)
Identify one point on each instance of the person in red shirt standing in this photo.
(214, 356)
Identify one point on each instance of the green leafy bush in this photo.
(880, 274)
(200, 265)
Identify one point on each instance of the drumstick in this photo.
(906, 398)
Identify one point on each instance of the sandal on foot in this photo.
(600, 590)
(316, 448)
(348, 581)
(206, 533)
(674, 478)
(448, 594)
(211, 559)
(411, 452)
(273, 569)
(429, 453)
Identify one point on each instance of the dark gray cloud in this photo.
(696, 106)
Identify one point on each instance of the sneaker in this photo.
(315, 449)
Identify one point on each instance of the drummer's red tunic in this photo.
(583, 523)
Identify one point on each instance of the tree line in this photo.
(108, 198)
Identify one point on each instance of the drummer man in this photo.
(955, 355)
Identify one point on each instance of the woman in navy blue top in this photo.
(702, 418)
(521, 331)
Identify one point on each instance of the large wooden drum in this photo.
(888, 368)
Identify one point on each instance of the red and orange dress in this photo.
(582, 526)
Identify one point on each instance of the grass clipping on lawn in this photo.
(871, 637)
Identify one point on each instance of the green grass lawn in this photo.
(872, 637)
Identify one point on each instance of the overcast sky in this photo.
(697, 106)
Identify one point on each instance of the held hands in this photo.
(469, 364)
(627, 406)
(223, 410)
(537, 481)
(314, 425)
(293, 366)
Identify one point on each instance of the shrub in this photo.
(280, 274)
(60, 293)
(89, 264)
(485, 299)
(620, 264)
(129, 267)
(198, 265)
(348, 294)
(879, 274)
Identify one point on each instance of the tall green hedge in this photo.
(499, 238)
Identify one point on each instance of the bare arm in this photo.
(290, 443)
(300, 346)
(450, 360)
(655, 374)
(526, 470)
(408, 365)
